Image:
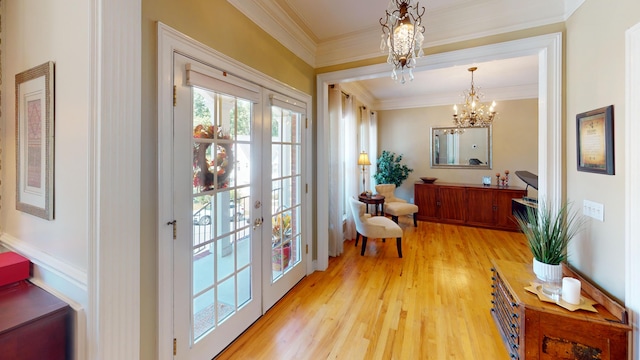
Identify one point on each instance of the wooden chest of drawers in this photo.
(33, 323)
(533, 329)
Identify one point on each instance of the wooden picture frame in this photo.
(35, 141)
(595, 141)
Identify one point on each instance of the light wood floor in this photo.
(432, 304)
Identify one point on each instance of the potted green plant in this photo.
(280, 241)
(390, 170)
(548, 234)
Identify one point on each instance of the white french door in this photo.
(217, 274)
(284, 264)
(238, 204)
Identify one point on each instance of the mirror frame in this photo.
(489, 164)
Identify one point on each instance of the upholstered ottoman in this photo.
(396, 209)
(395, 206)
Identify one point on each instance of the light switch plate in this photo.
(593, 209)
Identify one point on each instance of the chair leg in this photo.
(357, 236)
(415, 219)
(364, 245)
(399, 245)
(394, 218)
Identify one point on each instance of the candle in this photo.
(571, 290)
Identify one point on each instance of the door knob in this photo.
(257, 223)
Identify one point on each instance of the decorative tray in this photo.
(585, 304)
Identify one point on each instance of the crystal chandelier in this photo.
(402, 35)
(473, 112)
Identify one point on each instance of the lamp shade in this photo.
(363, 159)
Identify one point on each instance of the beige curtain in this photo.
(373, 145)
(351, 170)
(336, 172)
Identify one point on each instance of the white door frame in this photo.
(550, 115)
(170, 41)
(632, 179)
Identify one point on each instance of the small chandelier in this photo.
(473, 112)
(402, 34)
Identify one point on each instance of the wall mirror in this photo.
(469, 148)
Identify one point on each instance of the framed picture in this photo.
(34, 140)
(595, 141)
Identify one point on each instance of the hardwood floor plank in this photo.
(434, 303)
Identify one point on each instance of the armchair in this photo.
(376, 227)
(395, 206)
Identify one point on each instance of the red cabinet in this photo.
(474, 205)
(452, 201)
(33, 323)
(427, 197)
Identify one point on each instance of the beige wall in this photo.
(63, 239)
(594, 78)
(515, 142)
(220, 26)
(595, 75)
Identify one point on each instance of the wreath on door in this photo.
(209, 173)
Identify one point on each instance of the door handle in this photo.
(257, 223)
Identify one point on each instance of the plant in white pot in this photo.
(548, 234)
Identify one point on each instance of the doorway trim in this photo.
(549, 50)
(632, 178)
(169, 42)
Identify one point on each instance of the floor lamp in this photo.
(363, 159)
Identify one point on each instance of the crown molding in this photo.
(529, 91)
(271, 18)
(360, 92)
(443, 26)
(570, 6)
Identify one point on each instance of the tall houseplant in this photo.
(390, 170)
(548, 234)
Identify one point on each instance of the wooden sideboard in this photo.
(533, 329)
(33, 323)
(474, 205)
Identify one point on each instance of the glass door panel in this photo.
(286, 201)
(217, 282)
(221, 232)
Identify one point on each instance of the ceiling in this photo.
(330, 32)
